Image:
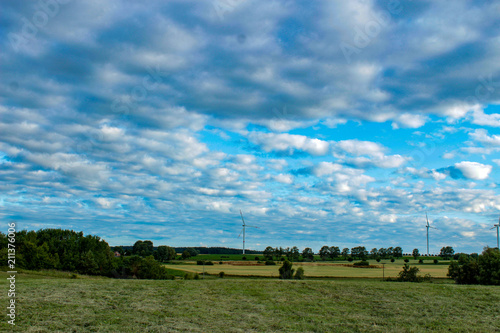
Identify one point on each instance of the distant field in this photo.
(316, 269)
(56, 303)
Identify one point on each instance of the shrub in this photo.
(409, 274)
(378, 259)
(436, 261)
(220, 262)
(188, 276)
(286, 271)
(270, 262)
(406, 260)
(257, 258)
(299, 274)
(420, 261)
(221, 274)
(244, 258)
(392, 260)
(485, 269)
(350, 259)
(361, 263)
(73, 276)
(201, 262)
(196, 276)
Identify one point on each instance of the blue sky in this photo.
(327, 122)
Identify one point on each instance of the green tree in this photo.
(143, 248)
(269, 253)
(345, 252)
(489, 266)
(359, 252)
(446, 252)
(295, 253)
(397, 252)
(308, 253)
(286, 271)
(415, 254)
(334, 252)
(324, 252)
(193, 252)
(165, 253)
(186, 254)
(374, 253)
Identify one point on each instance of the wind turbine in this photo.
(243, 231)
(428, 226)
(497, 226)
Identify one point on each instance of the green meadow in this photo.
(55, 302)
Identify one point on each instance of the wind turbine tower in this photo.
(243, 231)
(428, 226)
(497, 226)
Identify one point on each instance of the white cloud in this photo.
(284, 178)
(288, 143)
(474, 170)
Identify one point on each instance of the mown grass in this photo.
(316, 269)
(58, 303)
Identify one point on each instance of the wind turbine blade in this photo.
(493, 227)
(240, 233)
(242, 217)
(426, 218)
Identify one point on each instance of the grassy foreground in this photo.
(57, 303)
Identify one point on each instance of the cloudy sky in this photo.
(326, 122)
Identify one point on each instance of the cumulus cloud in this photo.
(469, 170)
(288, 143)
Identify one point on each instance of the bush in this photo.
(361, 263)
(270, 262)
(409, 274)
(221, 274)
(196, 276)
(257, 258)
(201, 262)
(244, 258)
(485, 269)
(392, 260)
(286, 271)
(420, 261)
(350, 259)
(436, 261)
(299, 274)
(378, 259)
(188, 276)
(406, 260)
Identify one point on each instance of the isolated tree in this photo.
(186, 254)
(415, 254)
(334, 252)
(397, 252)
(446, 252)
(489, 266)
(345, 252)
(286, 271)
(165, 253)
(409, 274)
(324, 253)
(308, 253)
(192, 252)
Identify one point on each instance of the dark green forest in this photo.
(71, 251)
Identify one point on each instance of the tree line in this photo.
(71, 251)
(331, 252)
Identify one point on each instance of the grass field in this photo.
(56, 303)
(316, 269)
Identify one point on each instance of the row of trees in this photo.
(331, 252)
(71, 251)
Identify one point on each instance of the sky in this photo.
(335, 123)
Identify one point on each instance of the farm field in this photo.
(53, 302)
(315, 269)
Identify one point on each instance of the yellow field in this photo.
(313, 269)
